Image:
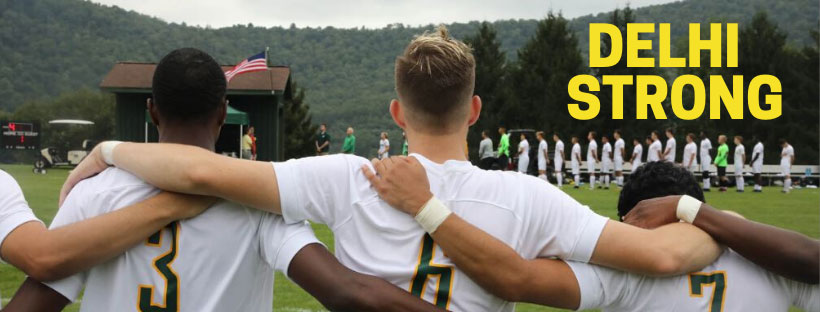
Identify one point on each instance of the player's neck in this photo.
(438, 148)
(195, 136)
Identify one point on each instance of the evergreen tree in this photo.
(490, 74)
(299, 130)
(538, 95)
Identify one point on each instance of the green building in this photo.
(256, 99)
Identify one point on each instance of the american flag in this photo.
(252, 64)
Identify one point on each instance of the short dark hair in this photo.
(657, 179)
(188, 85)
(594, 134)
(670, 131)
(618, 131)
(691, 136)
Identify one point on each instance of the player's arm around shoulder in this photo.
(488, 261)
(338, 288)
(671, 249)
(185, 169)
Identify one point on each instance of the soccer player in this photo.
(435, 78)
(575, 161)
(592, 158)
(349, 145)
(503, 148)
(384, 146)
(690, 153)
(669, 151)
(523, 154)
(223, 259)
(606, 160)
(637, 154)
(322, 141)
(705, 160)
(485, 152)
(786, 161)
(654, 152)
(721, 162)
(757, 164)
(543, 157)
(620, 154)
(47, 255)
(405, 147)
(740, 162)
(500, 270)
(558, 158)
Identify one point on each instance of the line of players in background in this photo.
(612, 157)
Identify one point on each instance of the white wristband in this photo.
(688, 208)
(432, 215)
(107, 150)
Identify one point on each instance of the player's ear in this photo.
(475, 110)
(152, 111)
(397, 113)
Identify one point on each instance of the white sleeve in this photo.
(280, 242)
(71, 212)
(802, 295)
(570, 230)
(14, 210)
(602, 288)
(321, 189)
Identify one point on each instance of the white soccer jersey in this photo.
(739, 152)
(705, 156)
(620, 149)
(221, 260)
(757, 151)
(637, 151)
(576, 155)
(14, 210)
(786, 155)
(384, 144)
(558, 158)
(653, 151)
(606, 157)
(670, 147)
(523, 156)
(592, 148)
(690, 152)
(527, 213)
(542, 155)
(731, 283)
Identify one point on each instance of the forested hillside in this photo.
(49, 47)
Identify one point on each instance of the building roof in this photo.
(137, 77)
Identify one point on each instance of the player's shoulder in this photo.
(111, 179)
(8, 182)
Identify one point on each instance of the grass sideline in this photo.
(797, 211)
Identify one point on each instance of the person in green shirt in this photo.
(720, 162)
(405, 147)
(349, 146)
(503, 148)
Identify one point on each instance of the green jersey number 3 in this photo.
(162, 264)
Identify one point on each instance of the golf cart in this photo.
(51, 157)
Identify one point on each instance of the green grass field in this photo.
(797, 211)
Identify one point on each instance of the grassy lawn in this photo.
(797, 211)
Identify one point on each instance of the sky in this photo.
(357, 13)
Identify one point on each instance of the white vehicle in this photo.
(52, 157)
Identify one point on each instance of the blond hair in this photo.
(435, 80)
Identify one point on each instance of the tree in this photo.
(299, 130)
(490, 72)
(538, 95)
